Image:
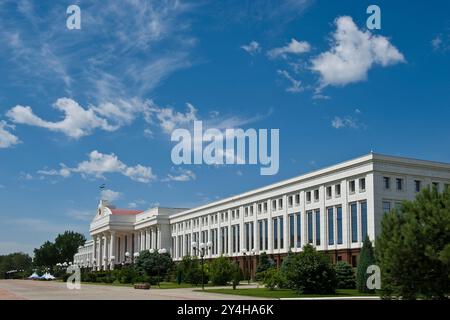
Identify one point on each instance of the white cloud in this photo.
(295, 86)
(100, 164)
(132, 205)
(436, 42)
(110, 195)
(82, 215)
(441, 42)
(140, 203)
(293, 47)
(353, 54)
(77, 122)
(169, 119)
(63, 172)
(252, 48)
(181, 175)
(7, 139)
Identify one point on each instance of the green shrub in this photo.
(264, 263)
(221, 271)
(345, 275)
(154, 264)
(190, 271)
(272, 278)
(311, 272)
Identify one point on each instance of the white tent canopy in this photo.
(47, 276)
(34, 276)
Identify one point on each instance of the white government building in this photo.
(332, 208)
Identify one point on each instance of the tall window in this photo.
(261, 234)
(291, 231)
(281, 232)
(275, 233)
(354, 221)
(238, 227)
(363, 220)
(317, 213)
(252, 235)
(266, 234)
(233, 237)
(247, 236)
(330, 226)
(222, 239)
(299, 230)
(310, 226)
(339, 224)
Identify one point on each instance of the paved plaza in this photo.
(54, 290)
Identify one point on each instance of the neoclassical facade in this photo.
(333, 209)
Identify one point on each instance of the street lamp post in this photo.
(251, 262)
(203, 247)
(160, 252)
(244, 253)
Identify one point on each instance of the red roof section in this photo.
(124, 211)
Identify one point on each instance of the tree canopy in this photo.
(63, 249)
(413, 248)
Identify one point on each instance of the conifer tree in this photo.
(366, 259)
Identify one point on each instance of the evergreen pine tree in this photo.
(366, 258)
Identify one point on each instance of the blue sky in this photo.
(79, 108)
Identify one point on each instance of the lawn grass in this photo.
(286, 293)
(163, 285)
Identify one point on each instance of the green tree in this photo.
(286, 265)
(345, 275)
(67, 244)
(190, 270)
(264, 263)
(311, 272)
(21, 262)
(366, 259)
(413, 248)
(221, 271)
(236, 274)
(47, 255)
(273, 278)
(154, 264)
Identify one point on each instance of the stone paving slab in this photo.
(53, 290)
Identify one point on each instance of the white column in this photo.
(99, 252)
(158, 230)
(134, 241)
(147, 239)
(94, 249)
(153, 234)
(142, 247)
(270, 227)
(104, 252)
(111, 250)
